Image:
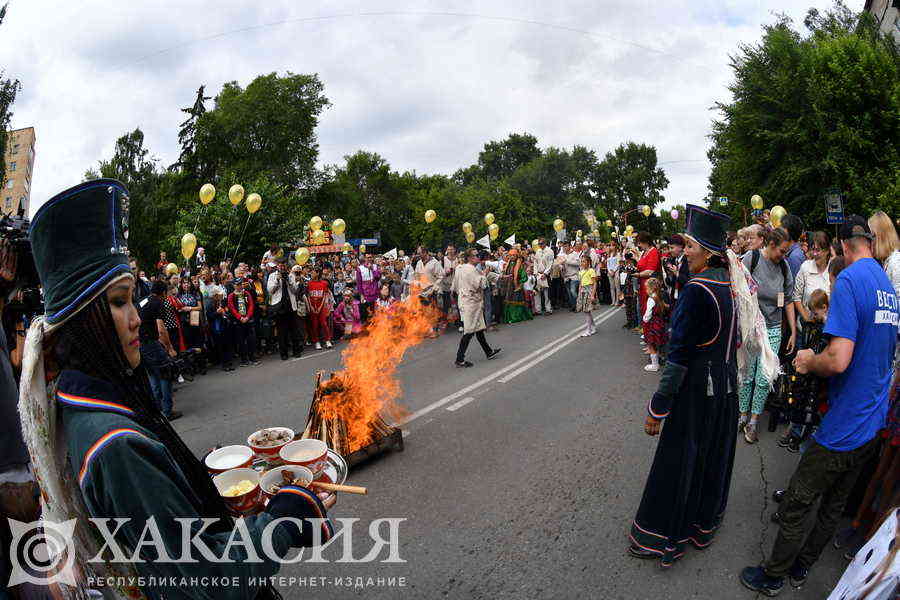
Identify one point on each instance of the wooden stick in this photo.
(333, 487)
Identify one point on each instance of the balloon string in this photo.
(228, 235)
(200, 214)
(241, 239)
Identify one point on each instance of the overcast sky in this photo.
(425, 84)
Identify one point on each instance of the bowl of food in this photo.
(267, 442)
(240, 489)
(309, 453)
(273, 480)
(228, 458)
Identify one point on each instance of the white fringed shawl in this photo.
(754, 338)
(61, 498)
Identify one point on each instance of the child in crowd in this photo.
(628, 297)
(347, 317)
(654, 323)
(385, 300)
(529, 285)
(587, 294)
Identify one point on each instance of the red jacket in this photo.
(232, 305)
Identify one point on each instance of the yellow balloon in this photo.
(347, 247)
(535, 242)
(338, 226)
(315, 223)
(207, 193)
(493, 227)
(254, 201)
(578, 233)
(430, 216)
(188, 245)
(608, 223)
(470, 237)
(559, 225)
(362, 248)
(318, 237)
(756, 202)
(494, 234)
(171, 269)
(628, 230)
(647, 210)
(489, 219)
(614, 233)
(776, 215)
(301, 256)
(467, 227)
(236, 194)
(595, 233)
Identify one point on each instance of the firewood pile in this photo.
(330, 424)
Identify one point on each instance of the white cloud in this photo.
(425, 85)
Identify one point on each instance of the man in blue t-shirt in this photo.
(862, 325)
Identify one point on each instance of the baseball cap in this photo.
(855, 226)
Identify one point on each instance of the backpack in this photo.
(754, 260)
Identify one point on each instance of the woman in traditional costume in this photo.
(515, 307)
(100, 446)
(687, 488)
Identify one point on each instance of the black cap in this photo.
(855, 226)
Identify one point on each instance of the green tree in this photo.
(266, 129)
(501, 159)
(8, 90)
(810, 113)
(628, 177)
(187, 134)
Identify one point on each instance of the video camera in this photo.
(800, 395)
(19, 281)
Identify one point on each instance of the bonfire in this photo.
(356, 410)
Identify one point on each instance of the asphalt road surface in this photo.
(520, 475)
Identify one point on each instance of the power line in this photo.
(517, 20)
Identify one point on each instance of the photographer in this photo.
(282, 288)
(862, 325)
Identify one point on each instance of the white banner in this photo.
(511, 240)
(391, 254)
(485, 241)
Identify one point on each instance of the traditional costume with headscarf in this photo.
(515, 308)
(99, 446)
(687, 488)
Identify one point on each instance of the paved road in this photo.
(520, 476)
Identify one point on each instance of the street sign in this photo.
(834, 207)
(723, 200)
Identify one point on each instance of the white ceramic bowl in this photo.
(229, 457)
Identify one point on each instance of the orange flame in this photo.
(367, 387)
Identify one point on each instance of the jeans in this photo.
(825, 474)
(162, 390)
(464, 345)
(572, 288)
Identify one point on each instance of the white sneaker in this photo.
(328, 344)
(651, 368)
(318, 345)
(587, 334)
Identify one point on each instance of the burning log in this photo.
(323, 424)
(351, 411)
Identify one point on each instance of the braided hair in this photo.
(88, 342)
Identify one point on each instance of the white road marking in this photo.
(493, 376)
(506, 378)
(460, 404)
(317, 353)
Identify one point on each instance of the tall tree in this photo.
(811, 113)
(187, 134)
(8, 90)
(628, 177)
(501, 159)
(267, 128)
